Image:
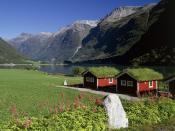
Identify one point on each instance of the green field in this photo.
(33, 92)
(33, 96)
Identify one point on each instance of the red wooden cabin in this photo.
(171, 85)
(138, 81)
(94, 79)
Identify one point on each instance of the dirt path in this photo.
(122, 96)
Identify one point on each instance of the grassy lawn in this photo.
(33, 92)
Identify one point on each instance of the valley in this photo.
(87, 65)
(129, 35)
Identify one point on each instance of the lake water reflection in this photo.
(63, 69)
(53, 69)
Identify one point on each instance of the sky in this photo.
(34, 16)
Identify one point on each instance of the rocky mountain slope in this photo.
(29, 44)
(128, 35)
(58, 46)
(116, 33)
(67, 41)
(157, 45)
(8, 54)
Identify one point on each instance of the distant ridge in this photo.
(54, 47)
(8, 54)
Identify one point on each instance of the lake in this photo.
(53, 69)
(67, 69)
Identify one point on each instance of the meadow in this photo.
(33, 93)
(33, 100)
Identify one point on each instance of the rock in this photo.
(116, 115)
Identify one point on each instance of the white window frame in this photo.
(90, 79)
(110, 80)
(122, 84)
(150, 84)
(131, 83)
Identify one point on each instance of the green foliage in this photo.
(8, 54)
(32, 91)
(78, 70)
(163, 86)
(146, 115)
(168, 125)
(144, 74)
(74, 119)
(29, 67)
(149, 111)
(104, 71)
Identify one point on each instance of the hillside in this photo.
(8, 54)
(53, 47)
(155, 46)
(30, 44)
(116, 33)
(140, 35)
(66, 42)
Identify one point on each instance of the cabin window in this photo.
(123, 82)
(90, 79)
(110, 80)
(130, 83)
(150, 84)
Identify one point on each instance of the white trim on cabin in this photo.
(90, 79)
(138, 86)
(130, 84)
(85, 72)
(150, 84)
(123, 83)
(97, 83)
(111, 80)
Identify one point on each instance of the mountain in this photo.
(141, 35)
(29, 44)
(116, 33)
(157, 45)
(8, 54)
(58, 46)
(67, 41)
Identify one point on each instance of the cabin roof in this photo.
(102, 72)
(143, 74)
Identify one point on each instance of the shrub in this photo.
(149, 111)
(146, 114)
(78, 70)
(75, 119)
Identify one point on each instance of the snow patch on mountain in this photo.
(92, 23)
(121, 12)
(77, 25)
(46, 34)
